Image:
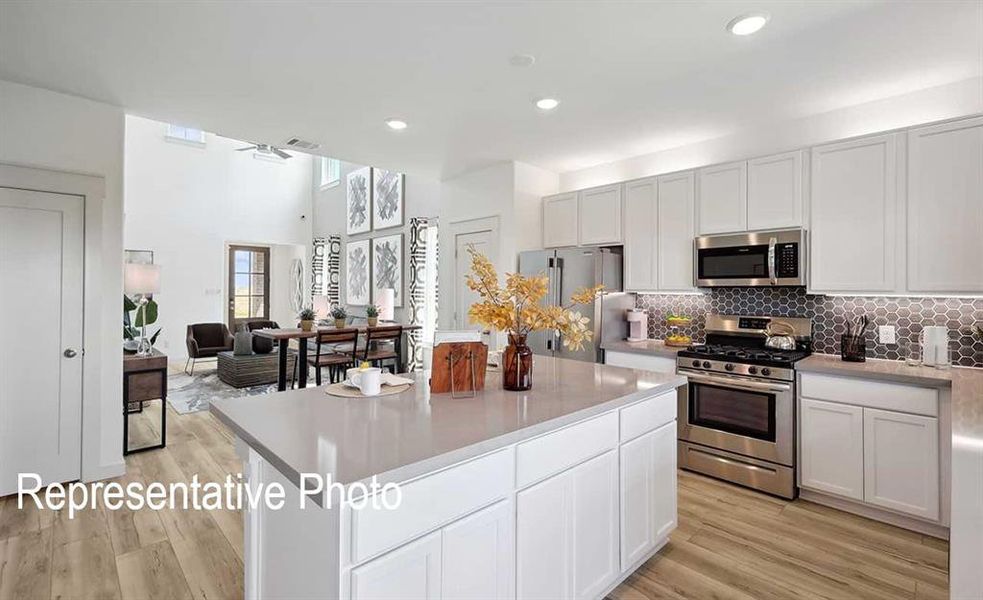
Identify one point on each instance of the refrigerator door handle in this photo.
(557, 289)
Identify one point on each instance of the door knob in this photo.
(69, 353)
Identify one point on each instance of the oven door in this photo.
(751, 417)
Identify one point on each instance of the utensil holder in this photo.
(853, 348)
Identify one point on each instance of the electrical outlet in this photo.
(886, 335)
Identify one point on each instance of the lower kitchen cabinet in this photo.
(901, 462)
(567, 532)
(648, 505)
(647, 362)
(832, 454)
(413, 571)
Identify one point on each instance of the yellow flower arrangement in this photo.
(516, 308)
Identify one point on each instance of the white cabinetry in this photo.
(901, 462)
(775, 191)
(945, 207)
(832, 456)
(646, 362)
(854, 212)
(413, 571)
(600, 216)
(648, 505)
(567, 532)
(477, 553)
(660, 225)
(722, 198)
(641, 239)
(561, 220)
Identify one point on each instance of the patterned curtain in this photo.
(419, 277)
(325, 282)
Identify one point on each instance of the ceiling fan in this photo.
(265, 149)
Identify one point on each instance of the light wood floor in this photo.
(731, 542)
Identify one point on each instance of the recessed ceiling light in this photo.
(748, 24)
(547, 103)
(396, 124)
(522, 60)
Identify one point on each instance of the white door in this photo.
(594, 529)
(945, 207)
(600, 215)
(411, 572)
(483, 242)
(677, 228)
(901, 462)
(41, 245)
(832, 448)
(561, 220)
(854, 215)
(722, 198)
(641, 225)
(542, 539)
(478, 555)
(774, 191)
(648, 504)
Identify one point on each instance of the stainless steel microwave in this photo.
(756, 259)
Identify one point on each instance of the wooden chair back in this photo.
(389, 333)
(348, 335)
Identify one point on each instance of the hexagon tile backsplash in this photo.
(830, 314)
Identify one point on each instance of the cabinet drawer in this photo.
(558, 451)
(646, 362)
(647, 415)
(871, 394)
(430, 502)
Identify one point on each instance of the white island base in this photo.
(569, 512)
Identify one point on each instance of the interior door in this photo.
(481, 241)
(41, 271)
(249, 285)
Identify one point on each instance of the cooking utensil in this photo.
(781, 335)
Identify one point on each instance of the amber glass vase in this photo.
(517, 365)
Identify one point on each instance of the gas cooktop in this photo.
(744, 354)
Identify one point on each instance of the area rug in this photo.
(192, 393)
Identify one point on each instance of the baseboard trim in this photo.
(877, 514)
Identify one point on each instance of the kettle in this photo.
(781, 336)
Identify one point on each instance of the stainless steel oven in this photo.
(766, 258)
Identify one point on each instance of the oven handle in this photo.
(747, 385)
(771, 261)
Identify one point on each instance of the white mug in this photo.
(368, 381)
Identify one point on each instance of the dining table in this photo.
(283, 336)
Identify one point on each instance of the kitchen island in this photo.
(561, 491)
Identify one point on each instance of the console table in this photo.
(144, 379)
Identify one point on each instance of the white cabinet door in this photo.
(677, 228)
(600, 215)
(560, 220)
(478, 555)
(641, 225)
(831, 438)
(412, 571)
(542, 539)
(722, 198)
(594, 527)
(648, 502)
(854, 215)
(774, 191)
(901, 462)
(945, 207)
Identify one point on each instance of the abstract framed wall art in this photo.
(387, 265)
(359, 201)
(357, 273)
(387, 199)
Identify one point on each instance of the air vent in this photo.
(302, 144)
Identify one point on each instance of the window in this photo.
(185, 134)
(330, 170)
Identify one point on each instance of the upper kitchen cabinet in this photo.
(561, 220)
(945, 207)
(853, 215)
(641, 224)
(677, 228)
(775, 191)
(600, 216)
(722, 198)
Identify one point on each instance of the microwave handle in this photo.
(771, 261)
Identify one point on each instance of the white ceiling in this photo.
(632, 77)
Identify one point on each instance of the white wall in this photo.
(55, 131)
(187, 203)
(932, 104)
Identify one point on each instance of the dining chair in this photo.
(378, 356)
(337, 350)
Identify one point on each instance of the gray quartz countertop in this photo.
(402, 436)
(655, 347)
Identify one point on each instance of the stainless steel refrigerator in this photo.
(570, 269)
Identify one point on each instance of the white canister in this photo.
(368, 381)
(935, 345)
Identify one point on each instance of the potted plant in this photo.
(307, 317)
(516, 310)
(340, 316)
(372, 314)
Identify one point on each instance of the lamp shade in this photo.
(141, 279)
(386, 303)
(322, 306)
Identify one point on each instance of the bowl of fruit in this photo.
(674, 320)
(678, 339)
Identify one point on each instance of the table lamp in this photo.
(141, 280)
(322, 306)
(386, 303)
